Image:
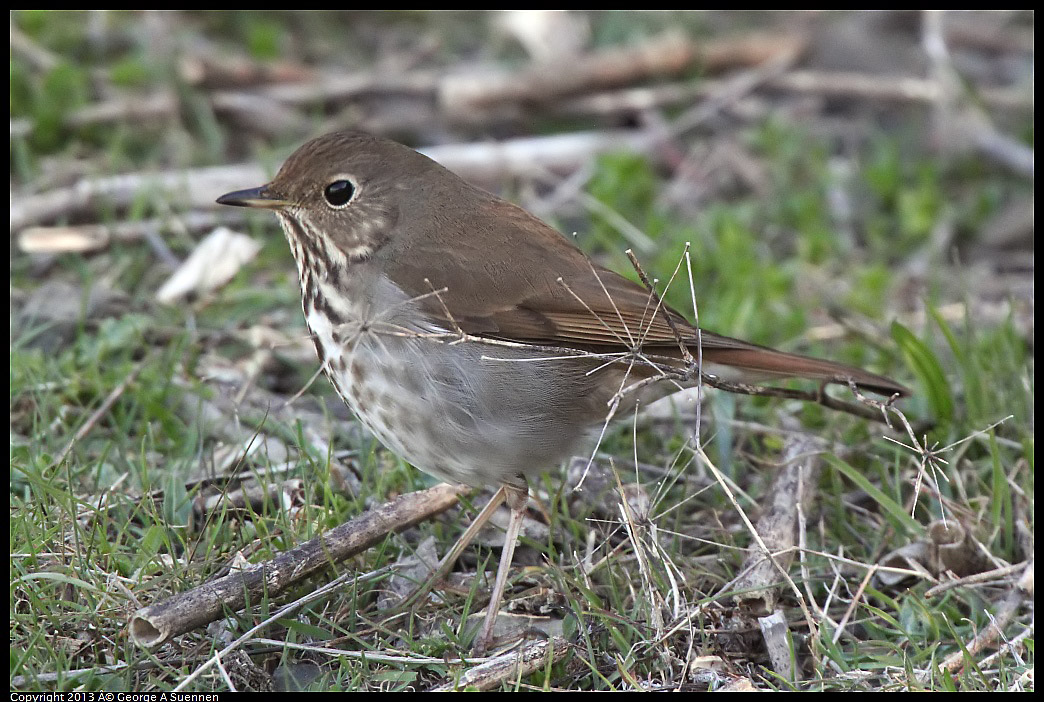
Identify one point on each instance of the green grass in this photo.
(113, 525)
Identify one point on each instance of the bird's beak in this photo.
(254, 197)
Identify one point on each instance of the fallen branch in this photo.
(864, 86)
(197, 188)
(664, 55)
(976, 579)
(154, 625)
(778, 526)
(999, 620)
(212, 70)
(468, 97)
(245, 110)
(798, 450)
(510, 666)
(492, 162)
(191, 189)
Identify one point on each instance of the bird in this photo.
(472, 339)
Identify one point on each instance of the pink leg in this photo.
(454, 553)
(517, 499)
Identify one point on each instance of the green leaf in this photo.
(59, 578)
(887, 503)
(151, 542)
(928, 370)
(951, 338)
(1001, 499)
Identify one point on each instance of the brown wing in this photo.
(522, 280)
(510, 276)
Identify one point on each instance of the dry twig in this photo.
(160, 622)
(999, 620)
(510, 666)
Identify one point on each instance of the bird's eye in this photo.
(339, 193)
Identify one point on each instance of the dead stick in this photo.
(796, 481)
(861, 86)
(193, 188)
(509, 666)
(1003, 615)
(158, 623)
(197, 188)
(670, 54)
(975, 579)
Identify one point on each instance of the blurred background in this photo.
(857, 185)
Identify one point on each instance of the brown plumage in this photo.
(375, 227)
(508, 275)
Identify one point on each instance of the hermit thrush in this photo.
(472, 339)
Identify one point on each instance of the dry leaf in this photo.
(547, 35)
(212, 264)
